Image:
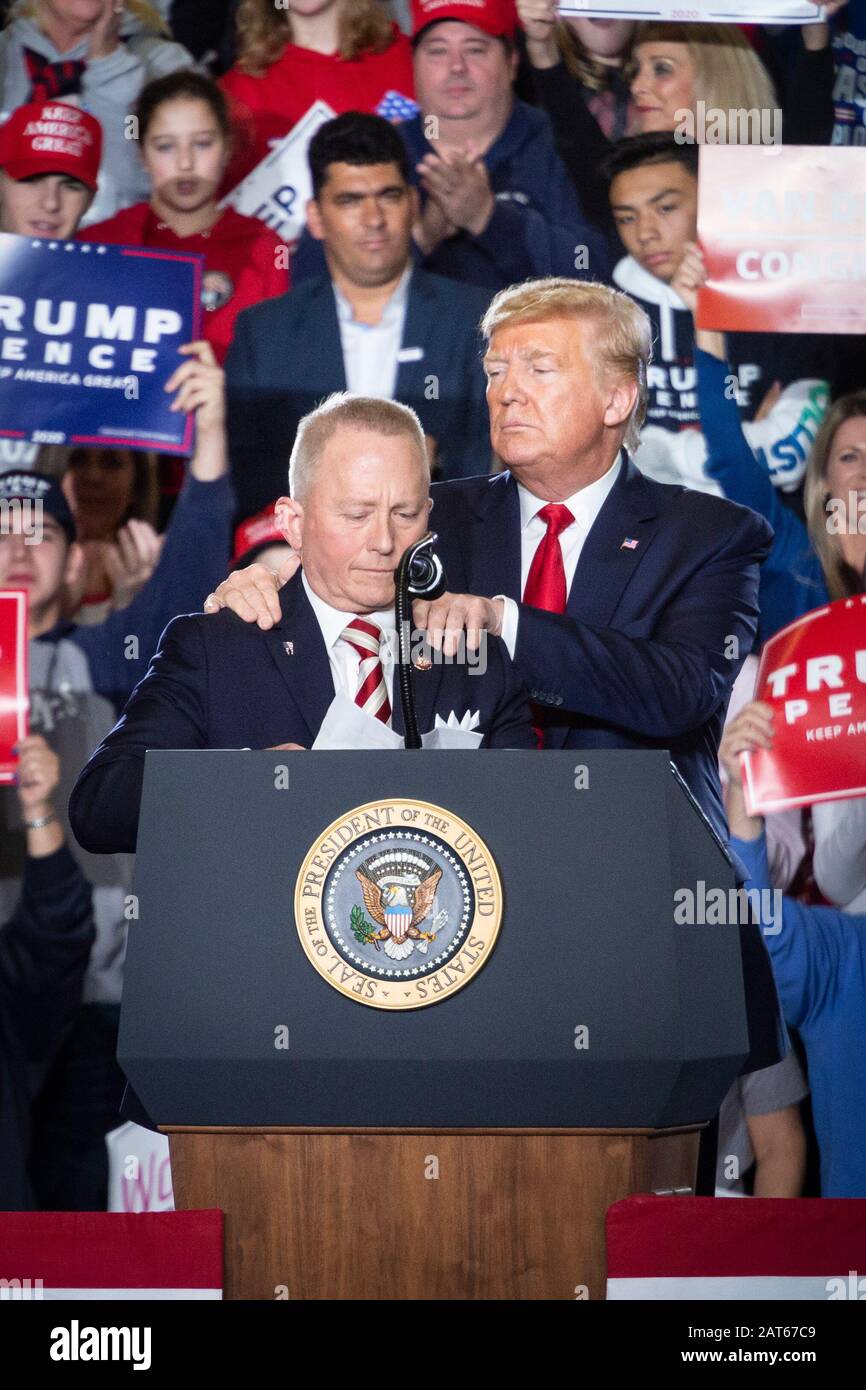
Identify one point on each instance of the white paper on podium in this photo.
(278, 189)
(705, 11)
(345, 726)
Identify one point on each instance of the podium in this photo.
(400, 1093)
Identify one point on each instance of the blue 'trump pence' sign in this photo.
(88, 338)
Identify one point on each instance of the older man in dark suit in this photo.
(360, 484)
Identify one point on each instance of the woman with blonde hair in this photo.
(347, 53)
(674, 66)
(97, 54)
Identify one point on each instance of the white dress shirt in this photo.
(584, 506)
(371, 351)
(345, 662)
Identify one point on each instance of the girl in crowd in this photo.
(113, 495)
(184, 135)
(591, 53)
(98, 54)
(347, 53)
(578, 75)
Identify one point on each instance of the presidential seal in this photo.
(398, 904)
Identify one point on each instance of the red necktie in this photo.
(545, 583)
(372, 696)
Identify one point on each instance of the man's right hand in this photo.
(253, 593)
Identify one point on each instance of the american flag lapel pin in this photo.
(289, 648)
(629, 544)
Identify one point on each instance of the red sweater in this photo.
(249, 257)
(267, 107)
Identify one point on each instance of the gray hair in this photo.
(342, 410)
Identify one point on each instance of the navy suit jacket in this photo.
(217, 682)
(286, 356)
(654, 634)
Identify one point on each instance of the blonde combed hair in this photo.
(828, 546)
(729, 75)
(345, 410)
(263, 31)
(147, 14)
(623, 348)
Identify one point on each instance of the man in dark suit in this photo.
(374, 324)
(360, 497)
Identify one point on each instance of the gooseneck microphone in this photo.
(418, 575)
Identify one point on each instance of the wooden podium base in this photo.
(422, 1214)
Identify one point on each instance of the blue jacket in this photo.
(194, 557)
(536, 228)
(792, 579)
(217, 682)
(644, 657)
(819, 960)
(286, 356)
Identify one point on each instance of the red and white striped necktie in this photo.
(372, 696)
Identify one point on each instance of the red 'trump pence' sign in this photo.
(813, 673)
(783, 230)
(14, 697)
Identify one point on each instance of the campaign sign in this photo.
(278, 189)
(699, 11)
(14, 702)
(783, 230)
(88, 338)
(813, 673)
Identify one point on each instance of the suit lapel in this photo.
(303, 664)
(322, 344)
(605, 565)
(417, 327)
(493, 550)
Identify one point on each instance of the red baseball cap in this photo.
(51, 137)
(254, 535)
(495, 17)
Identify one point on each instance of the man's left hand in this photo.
(690, 275)
(446, 618)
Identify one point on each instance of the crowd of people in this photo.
(495, 291)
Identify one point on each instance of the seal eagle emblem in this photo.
(398, 904)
